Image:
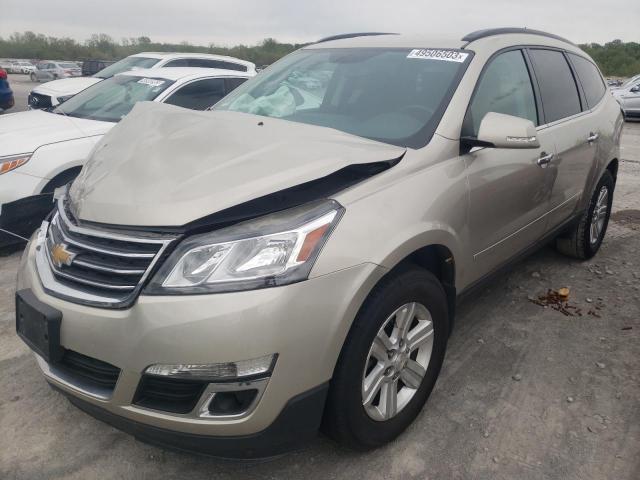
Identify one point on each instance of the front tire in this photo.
(584, 240)
(390, 361)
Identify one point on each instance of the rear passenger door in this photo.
(573, 130)
(509, 189)
(199, 94)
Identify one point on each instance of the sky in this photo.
(232, 22)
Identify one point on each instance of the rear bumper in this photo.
(297, 424)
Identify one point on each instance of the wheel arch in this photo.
(62, 178)
(439, 260)
(612, 166)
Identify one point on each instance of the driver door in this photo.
(509, 189)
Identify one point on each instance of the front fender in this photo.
(50, 160)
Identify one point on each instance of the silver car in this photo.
(231, 281)
(628, 96)
(52, 70)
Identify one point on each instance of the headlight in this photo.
(273, 250)
(64, 98)
(12, 162)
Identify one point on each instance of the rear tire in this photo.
(584, 240)
(349, 417)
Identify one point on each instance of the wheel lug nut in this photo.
(388, 371)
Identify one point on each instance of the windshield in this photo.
(392, 95)
(629, 82)
(125, 65)
(112, 99)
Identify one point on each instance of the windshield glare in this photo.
(112, 99)
(125, 65)
(388, 95)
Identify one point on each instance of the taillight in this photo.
(3, 74)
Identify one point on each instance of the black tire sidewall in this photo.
(605, 181)
(345, 399)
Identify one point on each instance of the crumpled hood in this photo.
(66, 86)
(167, 166)
(24, 132)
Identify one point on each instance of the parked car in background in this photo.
(53, 93)
(627, 83)
(41, 150)
(628, 96)
(52, 70)
(6, 94)
(24, 67)
(614, 82)
(20, 67)
(91, 67)
(238, 278)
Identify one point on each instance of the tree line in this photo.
(30, 45)
(614, 58)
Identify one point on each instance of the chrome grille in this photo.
(95, 265)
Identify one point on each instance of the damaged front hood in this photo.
(168, 166)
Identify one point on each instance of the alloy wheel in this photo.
(599, 215)
(397, 361)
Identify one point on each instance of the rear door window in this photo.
(180, 62)
(210, 63)
(505, 87)
(558, 89)
(198, 95)
(590, 79)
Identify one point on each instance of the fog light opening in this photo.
(233, 402)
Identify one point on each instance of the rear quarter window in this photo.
(558, 89)
(590, 79)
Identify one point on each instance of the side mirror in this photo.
(635, 89)
(498, 130)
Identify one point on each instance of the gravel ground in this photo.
(525, 393)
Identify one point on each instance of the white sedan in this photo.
(57, 91)
(41, 150)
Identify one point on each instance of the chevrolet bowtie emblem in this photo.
(61, 256)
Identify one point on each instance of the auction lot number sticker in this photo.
(434, 54)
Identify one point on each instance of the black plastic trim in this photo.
(291, 197)
(490, 32)
(509, 263)
(297, 424)
(343, 36)
(24, 216)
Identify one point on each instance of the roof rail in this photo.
(353, 35)
(489, 32)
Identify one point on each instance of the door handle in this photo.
(545, 159)
(592, 137)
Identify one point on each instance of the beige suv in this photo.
(231, 281)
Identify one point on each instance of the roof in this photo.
(389, 41)
(519, 36)
(210, 56)
(179, 73)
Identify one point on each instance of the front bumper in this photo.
(22, 209)
(305, 324)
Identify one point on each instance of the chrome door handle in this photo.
(545, 159)
(592, 137)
